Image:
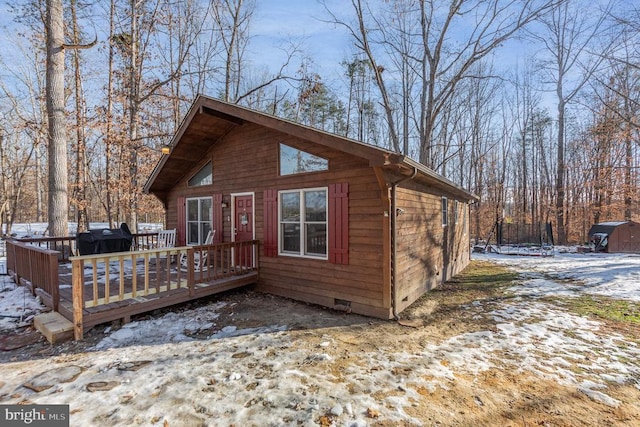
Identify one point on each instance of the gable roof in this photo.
(607, 227)
(209, 120)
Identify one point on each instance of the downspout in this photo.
(394, 214)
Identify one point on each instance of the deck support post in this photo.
(191, 271)
(77, 283)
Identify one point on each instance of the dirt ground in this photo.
(495, 397)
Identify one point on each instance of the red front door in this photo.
(243, 224)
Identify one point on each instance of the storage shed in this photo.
(341, 223)
(616, 236)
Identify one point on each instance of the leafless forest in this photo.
(532, 105)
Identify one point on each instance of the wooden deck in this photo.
(135, 301)
(96, 289)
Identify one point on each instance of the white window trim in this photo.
(186, 207)
(301, 254)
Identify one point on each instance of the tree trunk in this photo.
(58, 197)
(109, 127)
(560, 173)
(81, 162)
(134, 106)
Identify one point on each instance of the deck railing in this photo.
(67, 246)
(99, 280)
(36, 267)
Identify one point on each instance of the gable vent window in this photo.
(294, 161)
(203, 177)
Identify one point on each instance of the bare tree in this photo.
(441, 56)
(58, 176)
(570, 30)
(79, 193)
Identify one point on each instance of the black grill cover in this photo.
(103, 241)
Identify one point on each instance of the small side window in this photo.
(444, 212)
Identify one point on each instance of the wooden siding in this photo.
(428, 253)
(246, 160)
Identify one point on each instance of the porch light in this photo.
(165, 149)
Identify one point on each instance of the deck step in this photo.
(54, 326)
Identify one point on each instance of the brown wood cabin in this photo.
(341, 223)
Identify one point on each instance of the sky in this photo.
(238, 376)
(275, 23)
(301, 20)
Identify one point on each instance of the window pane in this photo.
(316, 239)
(192, 210)
(291, 238)
(206, 227)
(203, 177)
(290, 206)
(295, 161)
(315, 203)
(444, 211)
(205, 210)
(192, 234)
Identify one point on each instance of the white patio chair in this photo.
(166, 239)
(200, 257)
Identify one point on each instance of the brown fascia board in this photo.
(443, 182)
(196, 108)
(237, 114)
(376, 156)
(176, 137)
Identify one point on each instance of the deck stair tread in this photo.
(54, 326)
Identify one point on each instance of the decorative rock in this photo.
(234, 376)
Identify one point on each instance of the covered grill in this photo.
(104, 241)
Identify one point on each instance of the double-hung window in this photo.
(303, 222)
(199, 218)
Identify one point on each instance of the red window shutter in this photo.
(217, 218)
(339, 223)
(182, 222)
(270, 223)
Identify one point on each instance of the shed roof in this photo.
(606, 227)
(209, 120)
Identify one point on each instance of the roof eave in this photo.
(430, 173)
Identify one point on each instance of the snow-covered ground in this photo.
(152, 373)
(567, 274)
